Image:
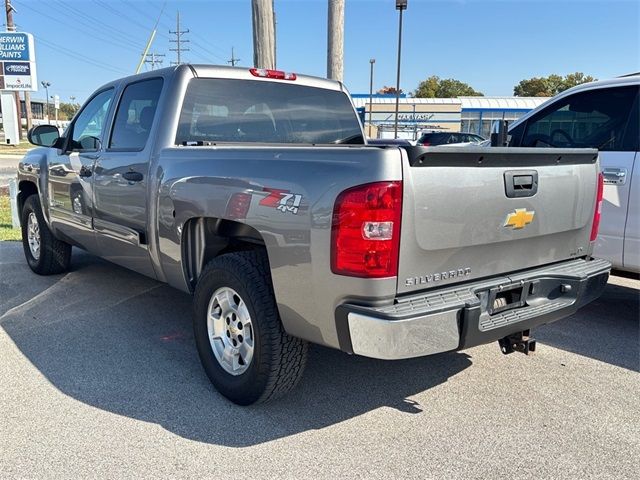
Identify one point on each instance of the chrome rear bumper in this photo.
(460, 317)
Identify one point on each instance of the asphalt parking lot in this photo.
(99, 377)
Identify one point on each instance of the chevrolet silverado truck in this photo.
(256, 191)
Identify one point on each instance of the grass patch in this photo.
(7, 232)
(19, 149)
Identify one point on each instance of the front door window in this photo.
(88, 127)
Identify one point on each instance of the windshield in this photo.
(250, 111)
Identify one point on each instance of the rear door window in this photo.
(591, 119)
(249, 111)
(135, 115)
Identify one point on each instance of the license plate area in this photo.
(507, 297)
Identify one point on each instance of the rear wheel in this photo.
(45, 254)
(243, 347)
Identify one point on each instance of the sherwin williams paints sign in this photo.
(17, 62)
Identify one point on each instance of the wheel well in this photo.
(25, 190)
(205, 238)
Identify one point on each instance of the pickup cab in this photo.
(256, 191)
(602, 115)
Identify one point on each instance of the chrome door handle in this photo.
(615, 176)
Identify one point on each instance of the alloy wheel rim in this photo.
(33, 236)
(230, 331)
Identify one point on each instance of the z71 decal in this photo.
(282, 200)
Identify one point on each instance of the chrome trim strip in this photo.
(117, 232)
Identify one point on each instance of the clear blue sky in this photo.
(492, 45)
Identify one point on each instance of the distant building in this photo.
(38, 113)
(479, 113)
(461, 114)
(38, 109)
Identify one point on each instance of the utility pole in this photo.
(371, 62)
(27, 95)
(233, 59)
(275, 35)
(154, 58)
(335, 40)
(179, 41)
(401, 6)
(46, 86)
(264, 48)
(56, 105)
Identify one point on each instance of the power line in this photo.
(205, 52)
(61, 50)
(154, 58)
(80, 28)
(84, 16)
(144, 13)
(119, 14)
(178, 41)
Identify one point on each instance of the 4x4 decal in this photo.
(282, 200)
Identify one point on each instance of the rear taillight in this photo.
(365, 232)
(598, 211)
(278, 74)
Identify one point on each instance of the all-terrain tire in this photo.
(54, 255)
(278, 358)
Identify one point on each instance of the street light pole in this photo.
(46, 86)
(401, 5)
(372, 62)
(55, 109)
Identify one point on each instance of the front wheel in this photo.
(243, 347)
(45, 254)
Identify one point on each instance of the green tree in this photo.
(577, 78)
(435, 87)
(549, 86)
(66, 110)
(533, 87)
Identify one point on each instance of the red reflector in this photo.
(278, 74)
(238, 206)
(598, 212)
(365, 231)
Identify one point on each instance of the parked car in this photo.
(389, 142)
(602, 115)
(254, 190)
(445, 138)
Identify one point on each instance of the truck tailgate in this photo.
(470, 213)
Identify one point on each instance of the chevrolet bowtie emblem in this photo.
(518, 219)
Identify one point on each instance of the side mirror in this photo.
(90, 143)
(43, 135)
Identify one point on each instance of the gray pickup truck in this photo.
(256, 191)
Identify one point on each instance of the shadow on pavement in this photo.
(123, 343)
(607, 329)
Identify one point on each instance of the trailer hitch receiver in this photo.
(518, 342)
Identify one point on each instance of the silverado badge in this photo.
(519, 218)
